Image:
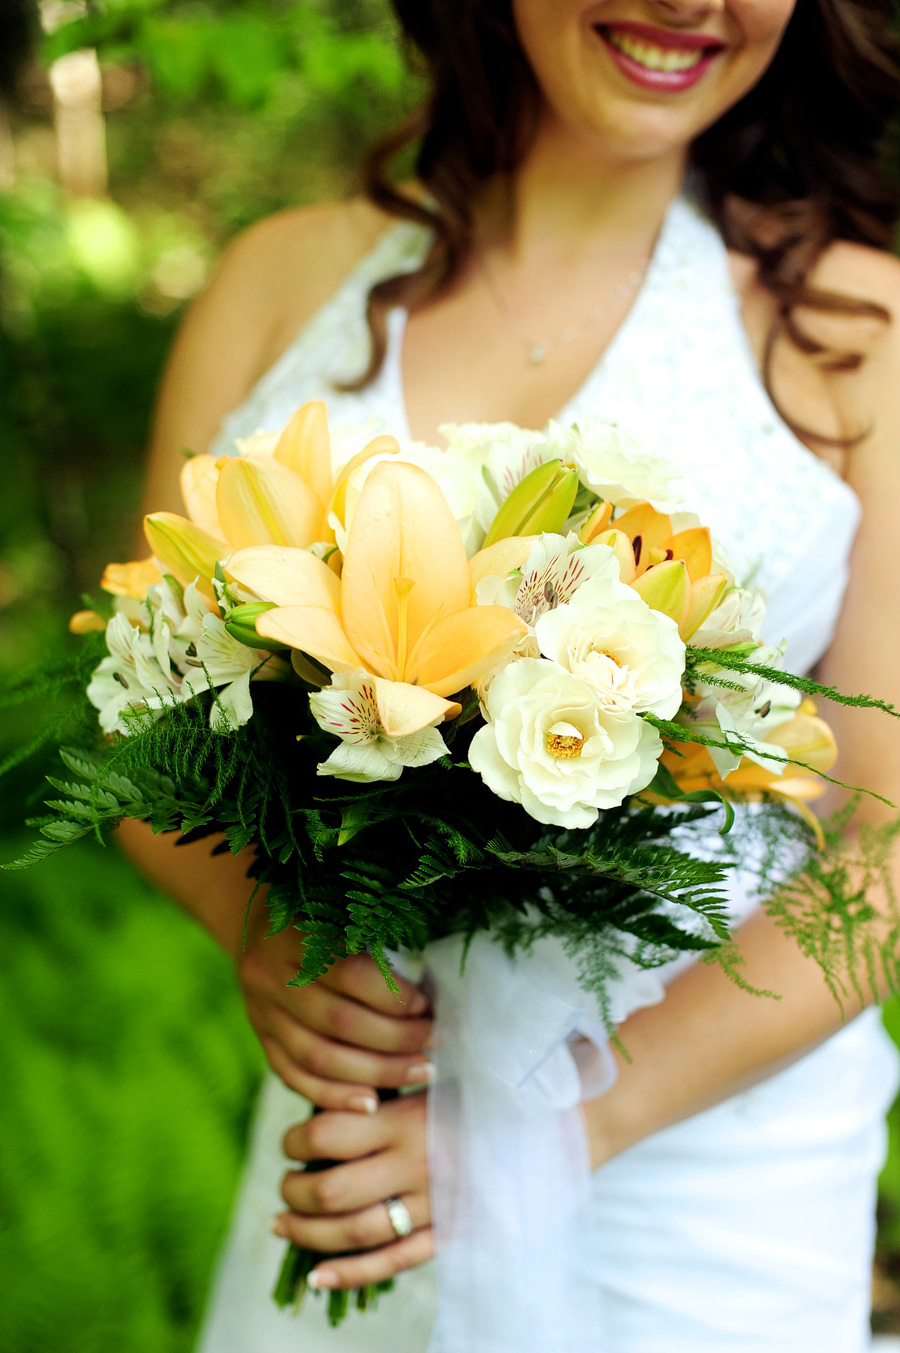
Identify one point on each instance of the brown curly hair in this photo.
(798, 163)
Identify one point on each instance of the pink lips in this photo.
(661, 81)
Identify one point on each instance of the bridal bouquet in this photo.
(500, 687)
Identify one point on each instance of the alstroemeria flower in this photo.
(402, 608)
(555, 567)
(178, 650)
(749, 712)
(552, 747)
(608, 636)
(383, 726)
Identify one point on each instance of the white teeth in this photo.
(655, 58)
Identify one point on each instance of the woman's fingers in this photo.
(350, 1187)
(364, 1230)
(378, 1265)
(338, 1136)
(325, 1094)
(327, 1060)
(347, 1021)
(360, 978)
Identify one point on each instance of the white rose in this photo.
(550, 746)
(616, 467)
(630, 655)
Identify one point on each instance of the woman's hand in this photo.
(342, 1037)
(342, 1208)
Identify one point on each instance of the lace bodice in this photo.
(679, 375)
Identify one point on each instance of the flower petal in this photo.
(199, 478)
(402, 528)
(500, 559)
(305, 448)
(404, 709)
(463, 647)
(184, 549)
(695, 548)
(286, 576)
(132, 579)
(262, 502)
(315, 630)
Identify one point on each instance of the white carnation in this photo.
(552, 747)
(631, 655)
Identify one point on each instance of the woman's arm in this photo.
(325, 1042)
(708, 1039)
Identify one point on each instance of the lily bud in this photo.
(185, 549)
(241, 625)
(260, 501)
(86, 622)
(541, 502)
(666, 588)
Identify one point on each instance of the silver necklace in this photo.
(537, 350)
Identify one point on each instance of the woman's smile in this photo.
(658, 58)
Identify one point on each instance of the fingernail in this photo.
(323, 1277)
(420, 1075)
(363, 1103)
(279, 1228)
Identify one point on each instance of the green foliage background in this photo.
(127, 1069)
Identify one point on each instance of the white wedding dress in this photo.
(749, 1227)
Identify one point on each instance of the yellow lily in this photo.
(283, 497)
(670, 569)
(402, 608)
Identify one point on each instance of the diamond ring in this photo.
(398, 1215)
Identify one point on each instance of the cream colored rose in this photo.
(552, 747)
(615, 466)
(630, 655)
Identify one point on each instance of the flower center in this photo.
(564, 741)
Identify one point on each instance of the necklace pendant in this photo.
(537, 353)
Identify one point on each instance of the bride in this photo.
(667, 213)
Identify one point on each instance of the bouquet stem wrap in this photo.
(509, 1160)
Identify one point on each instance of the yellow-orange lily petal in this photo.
(500, 559)
(621, 547)
(132, 579)
(405, 566)
(463, 647)
(647, 529)
(199, 477)
(315, 630)
(706, 593)
(666, 588)
(184, 549)
(287, 576)
(305, 448)
(598, 521)
(383, 445)
(262, 502)
(695, 548)
(405, 709)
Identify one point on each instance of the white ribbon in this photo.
(508, 1156)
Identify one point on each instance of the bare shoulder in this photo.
(269, 282)
(283, 268)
